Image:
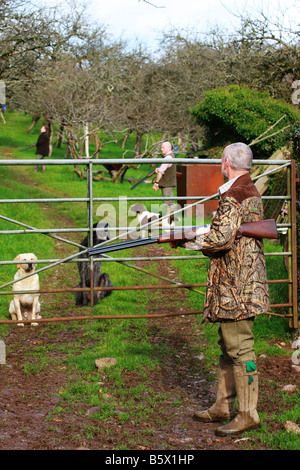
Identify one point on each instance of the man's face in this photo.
(164, 148)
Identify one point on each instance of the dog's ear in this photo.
(17, 258)
(34, 257)
(137, 207)
(101, 233)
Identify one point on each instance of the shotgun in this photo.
(143, 179)
(29, 147)
(178, 175)
(259, 229)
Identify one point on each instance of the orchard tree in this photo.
(264, 53)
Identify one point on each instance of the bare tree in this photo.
(58, 65)
(152, 4)
(264, 53)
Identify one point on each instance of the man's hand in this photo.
(177, 243)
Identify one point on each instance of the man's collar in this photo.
(169, 154)
(222, 189)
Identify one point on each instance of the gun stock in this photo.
(259, 229)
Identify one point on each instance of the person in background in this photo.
(237, 291)
(42, 146)
(2, 111)
(166, 176)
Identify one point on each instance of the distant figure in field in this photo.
(166, 176)
(42, 147)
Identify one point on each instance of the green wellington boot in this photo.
(246, 383)
(222, 409)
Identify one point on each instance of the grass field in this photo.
(125, 339)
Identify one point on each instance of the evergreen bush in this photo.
(244, 114)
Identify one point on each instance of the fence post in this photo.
(90, 223)
(293, 242)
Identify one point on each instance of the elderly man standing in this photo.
(237, 291)
(166, 176)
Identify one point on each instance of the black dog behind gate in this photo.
(100, 280)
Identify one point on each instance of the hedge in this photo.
(246, 114)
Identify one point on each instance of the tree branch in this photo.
(152, 4)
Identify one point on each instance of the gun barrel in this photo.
(121, 246)
(29, 147)
(143, 179)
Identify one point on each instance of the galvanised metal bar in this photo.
(90, 226)
(135, 258)
(292, 213)
(99, 199)
(142, 161)
(32, 229)
(111, 199)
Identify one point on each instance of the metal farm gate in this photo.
(288, 224)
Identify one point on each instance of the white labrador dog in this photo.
(25, 306)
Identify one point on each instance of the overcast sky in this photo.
(135, 20)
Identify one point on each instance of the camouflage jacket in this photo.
(237, 282)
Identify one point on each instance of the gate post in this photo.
(90, 223)
(294, 323)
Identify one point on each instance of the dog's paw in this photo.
(20, 324)
(34, 324)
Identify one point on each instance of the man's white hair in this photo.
(167, 144)
(240, 156)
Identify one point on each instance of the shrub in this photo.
(244, 114)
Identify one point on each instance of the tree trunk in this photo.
(50, 127)
(98, 145)
(35, 119)
(138, 144)
(86, 140)
(126, 138)
(72, 150)
(60, 135)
